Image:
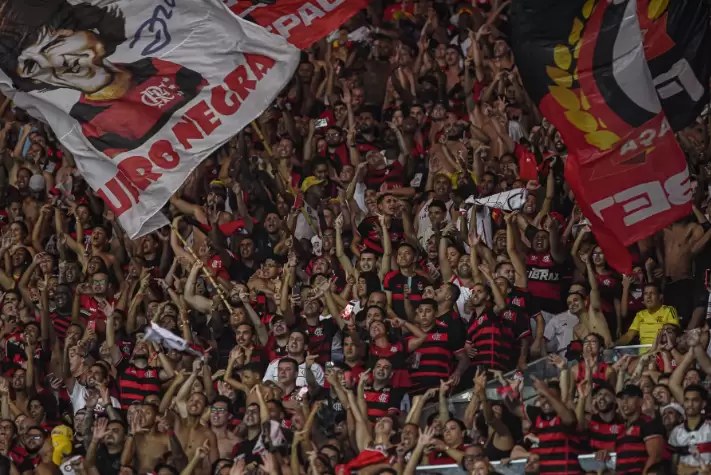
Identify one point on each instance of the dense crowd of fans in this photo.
(335, 281)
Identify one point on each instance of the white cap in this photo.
(676, 407)
(37, 183)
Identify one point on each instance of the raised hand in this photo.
(100, 428)
(202, 451)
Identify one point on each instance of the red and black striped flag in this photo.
(617, 79)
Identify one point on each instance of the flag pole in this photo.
(287, 185)
(205, 270)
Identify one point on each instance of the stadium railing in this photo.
(541, 369)
(516, 467)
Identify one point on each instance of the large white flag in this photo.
(140, 91)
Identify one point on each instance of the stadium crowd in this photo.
(322, 289)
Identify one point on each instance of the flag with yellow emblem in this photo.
(617, 78)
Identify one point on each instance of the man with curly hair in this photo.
(121, 105)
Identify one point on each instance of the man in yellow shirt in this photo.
(649, 322)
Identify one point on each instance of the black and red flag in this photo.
(617, 79)
(301, 22)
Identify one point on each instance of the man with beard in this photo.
(136, 379)
(320, 332)
(220, 414)
(96, 379)
(106, 446)
(267, 234)
(554, 425)
(34, 441)
(605, 423)
(244, 337)
(441, 187)
(94, 299)
(462, 276)
(249, 432)
(336, 150)
(192, 434)
(379, 398)
(642, 442)
(296, 350)
(278, 338)
(490, 337)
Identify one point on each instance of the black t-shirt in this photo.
(263, 243)
(239, 272)
(106, 463)
(244, 449)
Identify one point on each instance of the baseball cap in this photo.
(674, 406)
(630, 390)
(310, 181)
(37, 183)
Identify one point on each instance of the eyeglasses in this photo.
(34, 437)
(332, 134)
(98, 281)
(218, 409)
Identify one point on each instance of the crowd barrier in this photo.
(516, 467)
(541, 369)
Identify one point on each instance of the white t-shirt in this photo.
(681, 436)
(464, 294)
(272, 373)
(559, 332)
(78, 399)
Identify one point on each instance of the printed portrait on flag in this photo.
(121, 104)
(139, 91)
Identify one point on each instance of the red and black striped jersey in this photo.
(603, 435)
(382, 402)
(630, 444)
(433, 361)
(395, 282)
(558, 446)
(61, 324)
(136, 383)
(320, 338)
(495, 337)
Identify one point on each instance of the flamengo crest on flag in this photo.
(617, 79)
(139, 91)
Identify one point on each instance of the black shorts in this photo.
(680, 295)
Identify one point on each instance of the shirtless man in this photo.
(192, 434)
(149, 444)
(592, 320)
(219, 417)
(683, 240)
(100, 237)
(213, 208)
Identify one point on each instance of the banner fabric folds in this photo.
(301, 22)
(139, 91)
(617, 79)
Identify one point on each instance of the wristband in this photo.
(171, 433)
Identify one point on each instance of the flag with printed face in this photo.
(139, 91)
(617, 78)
